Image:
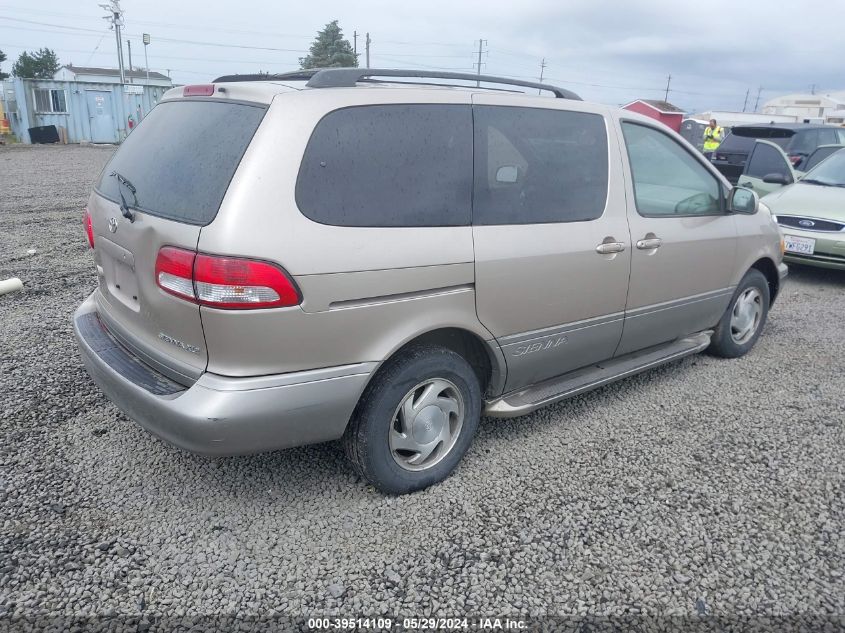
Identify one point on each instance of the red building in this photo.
(671, 116)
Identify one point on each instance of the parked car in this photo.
(809, 208)
(769, 168)
(326, 254)
(798, 140)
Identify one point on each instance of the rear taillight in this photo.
(175, 272)
(795, 159)
(89, 228)
(228, 282)
(224, 282)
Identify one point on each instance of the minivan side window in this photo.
(536, 165)
(668, 180)
(389, 166)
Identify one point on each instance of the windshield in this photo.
(830, 172)
(178, 162)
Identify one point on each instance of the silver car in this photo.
(334, 254)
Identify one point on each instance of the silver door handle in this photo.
(649, 244)
(608, 248)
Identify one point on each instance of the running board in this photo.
(555, 389)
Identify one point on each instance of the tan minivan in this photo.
(385, 256)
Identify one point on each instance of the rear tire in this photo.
(745, 318)
(415, 420)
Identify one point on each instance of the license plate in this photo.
(801, 245)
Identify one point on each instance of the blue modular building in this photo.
(85, 104)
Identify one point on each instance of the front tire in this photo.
(415, 420)
(743, 321)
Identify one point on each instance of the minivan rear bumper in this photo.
(220, 415)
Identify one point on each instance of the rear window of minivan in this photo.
(742, 138)
(180, 159)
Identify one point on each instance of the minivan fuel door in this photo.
(768, 168)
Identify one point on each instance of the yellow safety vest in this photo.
(712, 138)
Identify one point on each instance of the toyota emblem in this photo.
(113, 225)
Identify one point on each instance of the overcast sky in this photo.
(607, 52)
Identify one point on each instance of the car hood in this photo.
(809, 200)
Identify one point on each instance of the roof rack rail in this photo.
(348, 77)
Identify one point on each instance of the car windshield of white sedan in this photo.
(830, 172)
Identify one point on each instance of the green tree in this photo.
(42, 64)
(329, 50)
(3, 59)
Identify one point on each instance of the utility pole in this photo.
(480, 51)
(542, 68)
(745, 103)
(146, 39)
(129, 44)
(367, 42)
(355, 43)
(115, 17)
(813, 89)
(757, 101)
(668, 81)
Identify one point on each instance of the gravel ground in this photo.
(708, 486)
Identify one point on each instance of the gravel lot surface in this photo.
(708, 486)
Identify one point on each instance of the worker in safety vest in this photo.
(712, 136)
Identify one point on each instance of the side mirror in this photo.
(742, 200)
(507, 174)
(777, 179)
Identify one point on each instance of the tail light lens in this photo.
(228, 282)
(795, 159)
(224, 282)
(89, 228)
(175, 272)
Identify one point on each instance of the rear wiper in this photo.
(125, 209)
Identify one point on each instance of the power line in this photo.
(163, 24)
(396, 57)
(164, 39)
(418, 65)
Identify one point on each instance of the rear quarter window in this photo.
(389, 166)
(181, 158)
